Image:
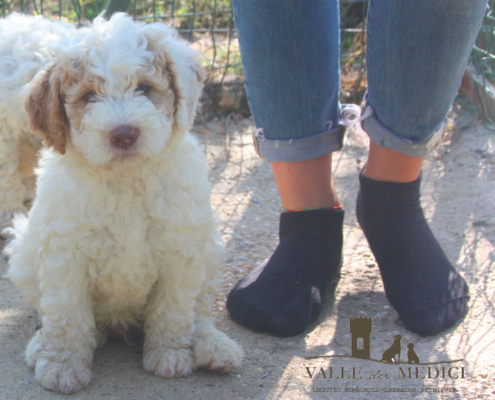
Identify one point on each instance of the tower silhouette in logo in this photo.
(360, 328)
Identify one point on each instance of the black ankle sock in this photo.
(420, 283)
(284, 295)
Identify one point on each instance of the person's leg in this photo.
(306, 184)
(385, 164)
(417, 53)
(290, 54)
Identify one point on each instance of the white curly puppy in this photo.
(26, 46)
(121, 231)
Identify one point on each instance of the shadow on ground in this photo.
(458, 195)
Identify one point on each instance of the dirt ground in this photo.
(458, 197)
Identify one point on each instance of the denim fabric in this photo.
(290, 53)
(417, 53)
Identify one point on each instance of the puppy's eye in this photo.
(90, 97)
(142, 89)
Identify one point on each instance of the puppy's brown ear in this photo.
(181, 63)
(187, 77)
(45, 107)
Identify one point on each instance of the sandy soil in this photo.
(458, 197)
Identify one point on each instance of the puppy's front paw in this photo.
(168, 363)
(65, 377)
(217, 352)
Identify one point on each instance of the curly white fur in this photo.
(26, 46)
(119, 237)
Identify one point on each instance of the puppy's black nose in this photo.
(124, 136)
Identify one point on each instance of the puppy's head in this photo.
(410, 346)
(120, 90)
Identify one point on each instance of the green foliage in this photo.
(73, 10)
(483, 60)
(483, 55)
(353, 18)
(187, 14)
(205, 21)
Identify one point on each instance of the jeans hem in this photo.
(383, 137)
(293, 150)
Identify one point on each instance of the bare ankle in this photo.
(306, 184)
(388, 165)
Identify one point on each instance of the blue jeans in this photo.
(417, 51)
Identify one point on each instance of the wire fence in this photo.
(209, 25)
(483, 66)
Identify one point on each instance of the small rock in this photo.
(267, 373)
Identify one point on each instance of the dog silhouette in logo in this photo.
(392, 354)
(412, 357)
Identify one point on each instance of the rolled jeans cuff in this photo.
(293, 150)
(383, 137)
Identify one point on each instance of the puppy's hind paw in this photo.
(101, 336)
(64, 377)
(168, 363)
(217, 352)
(33, 349)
